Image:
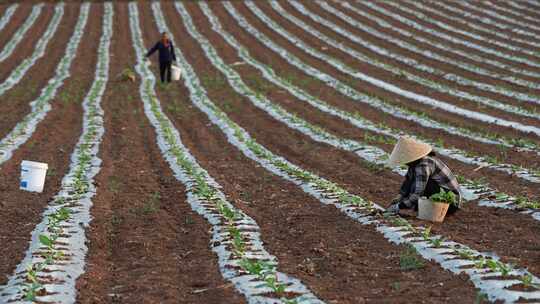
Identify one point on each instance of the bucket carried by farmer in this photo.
(165, 49)
(426, 175)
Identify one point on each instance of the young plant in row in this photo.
(336, 63)
(318, 103)
(524, 202)
(316, 184)
(527, 281)
(77, 189)
(493, 265)
(33, 285)
(40, 106)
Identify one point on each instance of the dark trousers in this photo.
(165, 67)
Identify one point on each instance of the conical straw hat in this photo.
(407, 150)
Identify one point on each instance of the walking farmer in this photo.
(426, 175)
(166, 56)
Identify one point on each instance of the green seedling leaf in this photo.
(45, 240)
(436, 242)
(426, 233)
(446, 197)
(409, 259)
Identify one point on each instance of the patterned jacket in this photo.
(420, 178)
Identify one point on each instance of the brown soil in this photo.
(442, 65)
(481, 33)
(365, 87)
(491, 27)
(466, 38)
(317, 88)
(146, 244)
(16, 101)
(52, 143)
(312, 242)
(483, 6)
(500, 180)
(446, 42)
(346, 169)
(22, 12)
(26, 46)
(530, 9)
(334, 52)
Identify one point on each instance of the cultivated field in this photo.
(257, 177)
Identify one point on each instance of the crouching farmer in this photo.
(426, 175)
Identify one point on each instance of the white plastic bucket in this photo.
(33, 176)
(431, 211)
(176, 72)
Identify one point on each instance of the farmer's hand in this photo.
(393, 209)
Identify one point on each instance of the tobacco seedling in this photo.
(446, 197)
(465, 254)
(436, 242)
(32, 286)
(409, 259)
(426, 233)
(523, 202)
(501, 196)
(227, 212)
(461, 179)
(527, 281)
(252, 267)
(272, 282)
(237, 242)
(493, 265)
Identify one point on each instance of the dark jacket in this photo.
(166, 54)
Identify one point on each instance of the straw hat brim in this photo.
(408, 150)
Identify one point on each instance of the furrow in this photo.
(396, 70)
(21, 32)
(373, 101)
(474, 25)
(388, 86)
(347, 91)
(524, 9)
(230, 224)
(429, 54)
(474, 190)
(57, 251)
(453, 39)
(448, 254)
(19, 72)
(480, 19)
(532, 3)
(41, 106)
(7, 15)
(530, 27)
(498, 89)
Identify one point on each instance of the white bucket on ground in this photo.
(431, 211)
(176, 72)
(33, 176)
